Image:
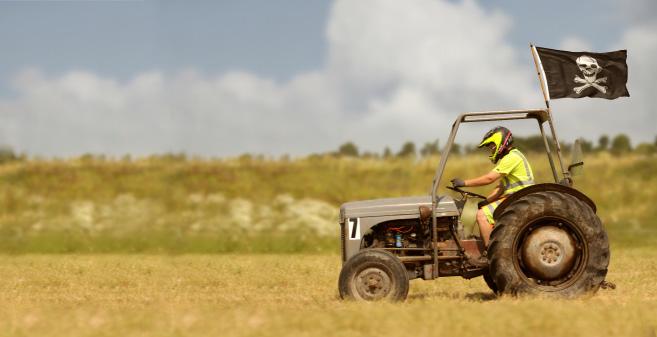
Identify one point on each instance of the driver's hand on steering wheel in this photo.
(458, 182)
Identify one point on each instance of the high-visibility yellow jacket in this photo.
(516, 171)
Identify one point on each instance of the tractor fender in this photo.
(543, 188)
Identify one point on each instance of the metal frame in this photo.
(542, 116)
(546, 95)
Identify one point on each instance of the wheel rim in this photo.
(550, 254)
(372, 284)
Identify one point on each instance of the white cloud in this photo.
(575, 43)
(396, 71)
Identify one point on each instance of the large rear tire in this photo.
(548, 243)
(490, 283)
(373, 275)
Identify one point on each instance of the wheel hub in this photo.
(373, 284)
(548, 253)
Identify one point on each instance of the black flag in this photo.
(584, 74)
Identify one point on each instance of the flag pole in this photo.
(546, 95)
(541, 76)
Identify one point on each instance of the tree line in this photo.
(618, 144)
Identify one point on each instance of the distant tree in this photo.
(456, 148)
(86, 158)
(7, 154)
(533, 143)
(387, 153)
(430, 149)
(603, 143)
(565, 147)
(621, 144)
(407, 150)
(245, 158)
(348, 149)
(655, 142)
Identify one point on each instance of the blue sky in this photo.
(271, 38)
(226, 77)
(120, 39)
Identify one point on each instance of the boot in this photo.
(479, 262)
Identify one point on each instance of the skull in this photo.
(588, 66)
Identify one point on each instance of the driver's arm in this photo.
(486, 179)
(496, 193)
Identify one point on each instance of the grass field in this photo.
(244, 205)
(294, 295)
(95, 247)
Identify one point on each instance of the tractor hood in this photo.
(405, 207)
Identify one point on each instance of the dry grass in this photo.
(293, 295)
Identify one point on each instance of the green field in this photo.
(245, 205)
(294, 295)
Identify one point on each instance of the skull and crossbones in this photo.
(590, 69)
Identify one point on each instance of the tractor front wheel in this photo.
(373, 275)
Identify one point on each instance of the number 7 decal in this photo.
(354, 228)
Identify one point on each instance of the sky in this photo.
(222, 78)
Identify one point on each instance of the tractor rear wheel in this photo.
(373, 275)
(548, 243)
(489, 282)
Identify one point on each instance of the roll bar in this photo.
(542, 116)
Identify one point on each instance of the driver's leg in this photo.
(485, 228)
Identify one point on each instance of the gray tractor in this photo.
(547, 238)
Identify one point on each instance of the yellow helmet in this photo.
(502, 139)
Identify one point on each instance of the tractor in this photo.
(547, 239)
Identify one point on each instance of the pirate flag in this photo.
(584, 74)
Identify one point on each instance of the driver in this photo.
(512, 170)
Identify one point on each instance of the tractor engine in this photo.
(410, 233)
(397, 234)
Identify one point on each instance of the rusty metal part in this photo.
(472, 247)
(406, 249)
(548, 252)
(372, 284)
(414, 258)
(417, 258)
(425, 214)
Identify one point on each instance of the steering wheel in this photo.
(465, 193)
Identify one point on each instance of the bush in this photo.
(407, 150)
(621, 144)
(348, 149)
(529, 144)
(430, 149)
(7, 154)
(603, 143)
